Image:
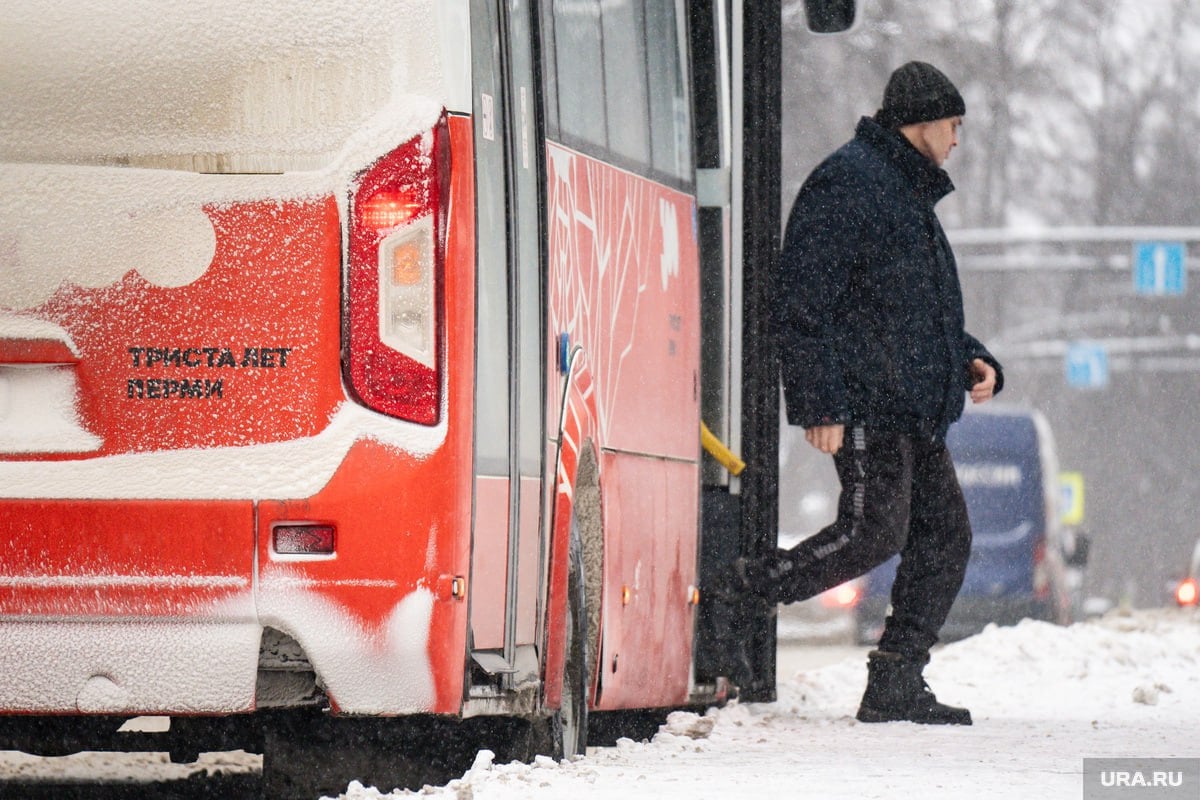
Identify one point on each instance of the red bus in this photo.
(352, 369)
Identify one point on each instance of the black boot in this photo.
(896, 692)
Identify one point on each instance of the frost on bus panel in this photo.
(38, 389)
(38, 411)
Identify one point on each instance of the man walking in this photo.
(875, 366)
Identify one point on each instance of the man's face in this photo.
(936, 139)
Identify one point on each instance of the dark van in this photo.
(1008, 470)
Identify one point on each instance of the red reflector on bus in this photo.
(292, 540)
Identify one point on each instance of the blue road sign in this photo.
(1087, 366)
(1160, 268)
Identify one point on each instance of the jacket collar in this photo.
(927, 179)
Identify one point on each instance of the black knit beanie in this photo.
(918, 92)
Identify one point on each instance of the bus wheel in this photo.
(571, 720)
(564, 732)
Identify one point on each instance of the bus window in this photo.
(549, 71)
(670, 126)
(528, 290)
(625, 74)
(492, 417)
(578, 62)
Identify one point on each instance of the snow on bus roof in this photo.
(216, 85)
(113, 107)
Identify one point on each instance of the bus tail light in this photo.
(394, 360)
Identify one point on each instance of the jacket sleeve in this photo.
(975, 349)
(828, 232)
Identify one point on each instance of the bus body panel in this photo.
(137, 666)
(382, 620)
(109, 559)
(189, 358)
(650, 507)
(491, 548)
(530, 579)
(623, 282)
(118, 607)
(241, 355)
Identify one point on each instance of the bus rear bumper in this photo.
(128, 667)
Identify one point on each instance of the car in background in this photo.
(1023, 563)
(1187, 591)
(827, 618)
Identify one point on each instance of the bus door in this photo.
(507, 560)
(736, 80)
(737, 90)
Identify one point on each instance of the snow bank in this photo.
(1043, 698)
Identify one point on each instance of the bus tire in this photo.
(563, 732)
(570, 722)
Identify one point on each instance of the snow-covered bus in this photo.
(353, 359)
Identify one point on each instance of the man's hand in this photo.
(983, 376)
(826, 438)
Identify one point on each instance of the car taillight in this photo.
(1187, 592)
(844, 596)
(1041, 575)
(394, 275)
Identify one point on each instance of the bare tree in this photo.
(1079, 111)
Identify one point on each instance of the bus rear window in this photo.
(260, 87)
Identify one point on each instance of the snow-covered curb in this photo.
(1044, 697)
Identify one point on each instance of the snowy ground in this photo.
(1043, 698)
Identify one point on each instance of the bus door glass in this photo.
(509, 438)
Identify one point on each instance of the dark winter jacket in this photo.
(870, 314)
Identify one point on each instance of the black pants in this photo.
(899, 495)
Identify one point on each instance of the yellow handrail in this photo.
(720, 452)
